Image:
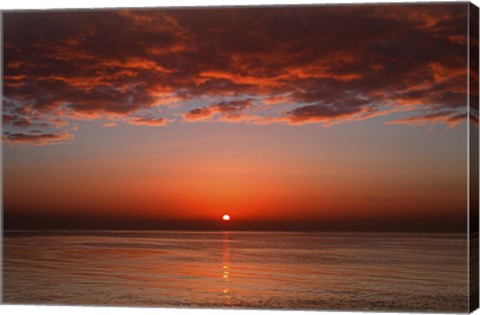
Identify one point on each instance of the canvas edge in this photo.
(473, 158)
(1, 160)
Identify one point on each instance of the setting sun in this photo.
(226, 217)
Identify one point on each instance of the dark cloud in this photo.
(21, 122)
(320, 112)
(231, 110)
(233, 106)
(326, 63)
(37, 139)
(451, 118)
(7, 119)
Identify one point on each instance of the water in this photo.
(279, 270)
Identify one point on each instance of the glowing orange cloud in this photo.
(80, 69)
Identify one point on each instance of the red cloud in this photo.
(229, 111)
(324, 64)
(201, 113)
(147, 121)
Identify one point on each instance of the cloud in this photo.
(110, 124)
(147, 121)
(201, 113)
(326, 112)
(325, 64)
(228, 110)
(7, 119)
(450, 118)
(21, 122)
(36, 138)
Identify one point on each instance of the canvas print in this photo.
(320, 157)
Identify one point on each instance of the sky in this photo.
(320, 117)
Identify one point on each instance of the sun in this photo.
(226, 217)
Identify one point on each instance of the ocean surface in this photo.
(262, 270)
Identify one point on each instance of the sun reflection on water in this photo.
(226, 264)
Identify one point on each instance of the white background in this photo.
(49, 4)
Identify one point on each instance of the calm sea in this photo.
(278, 270)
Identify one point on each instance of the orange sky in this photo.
(266, 114)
